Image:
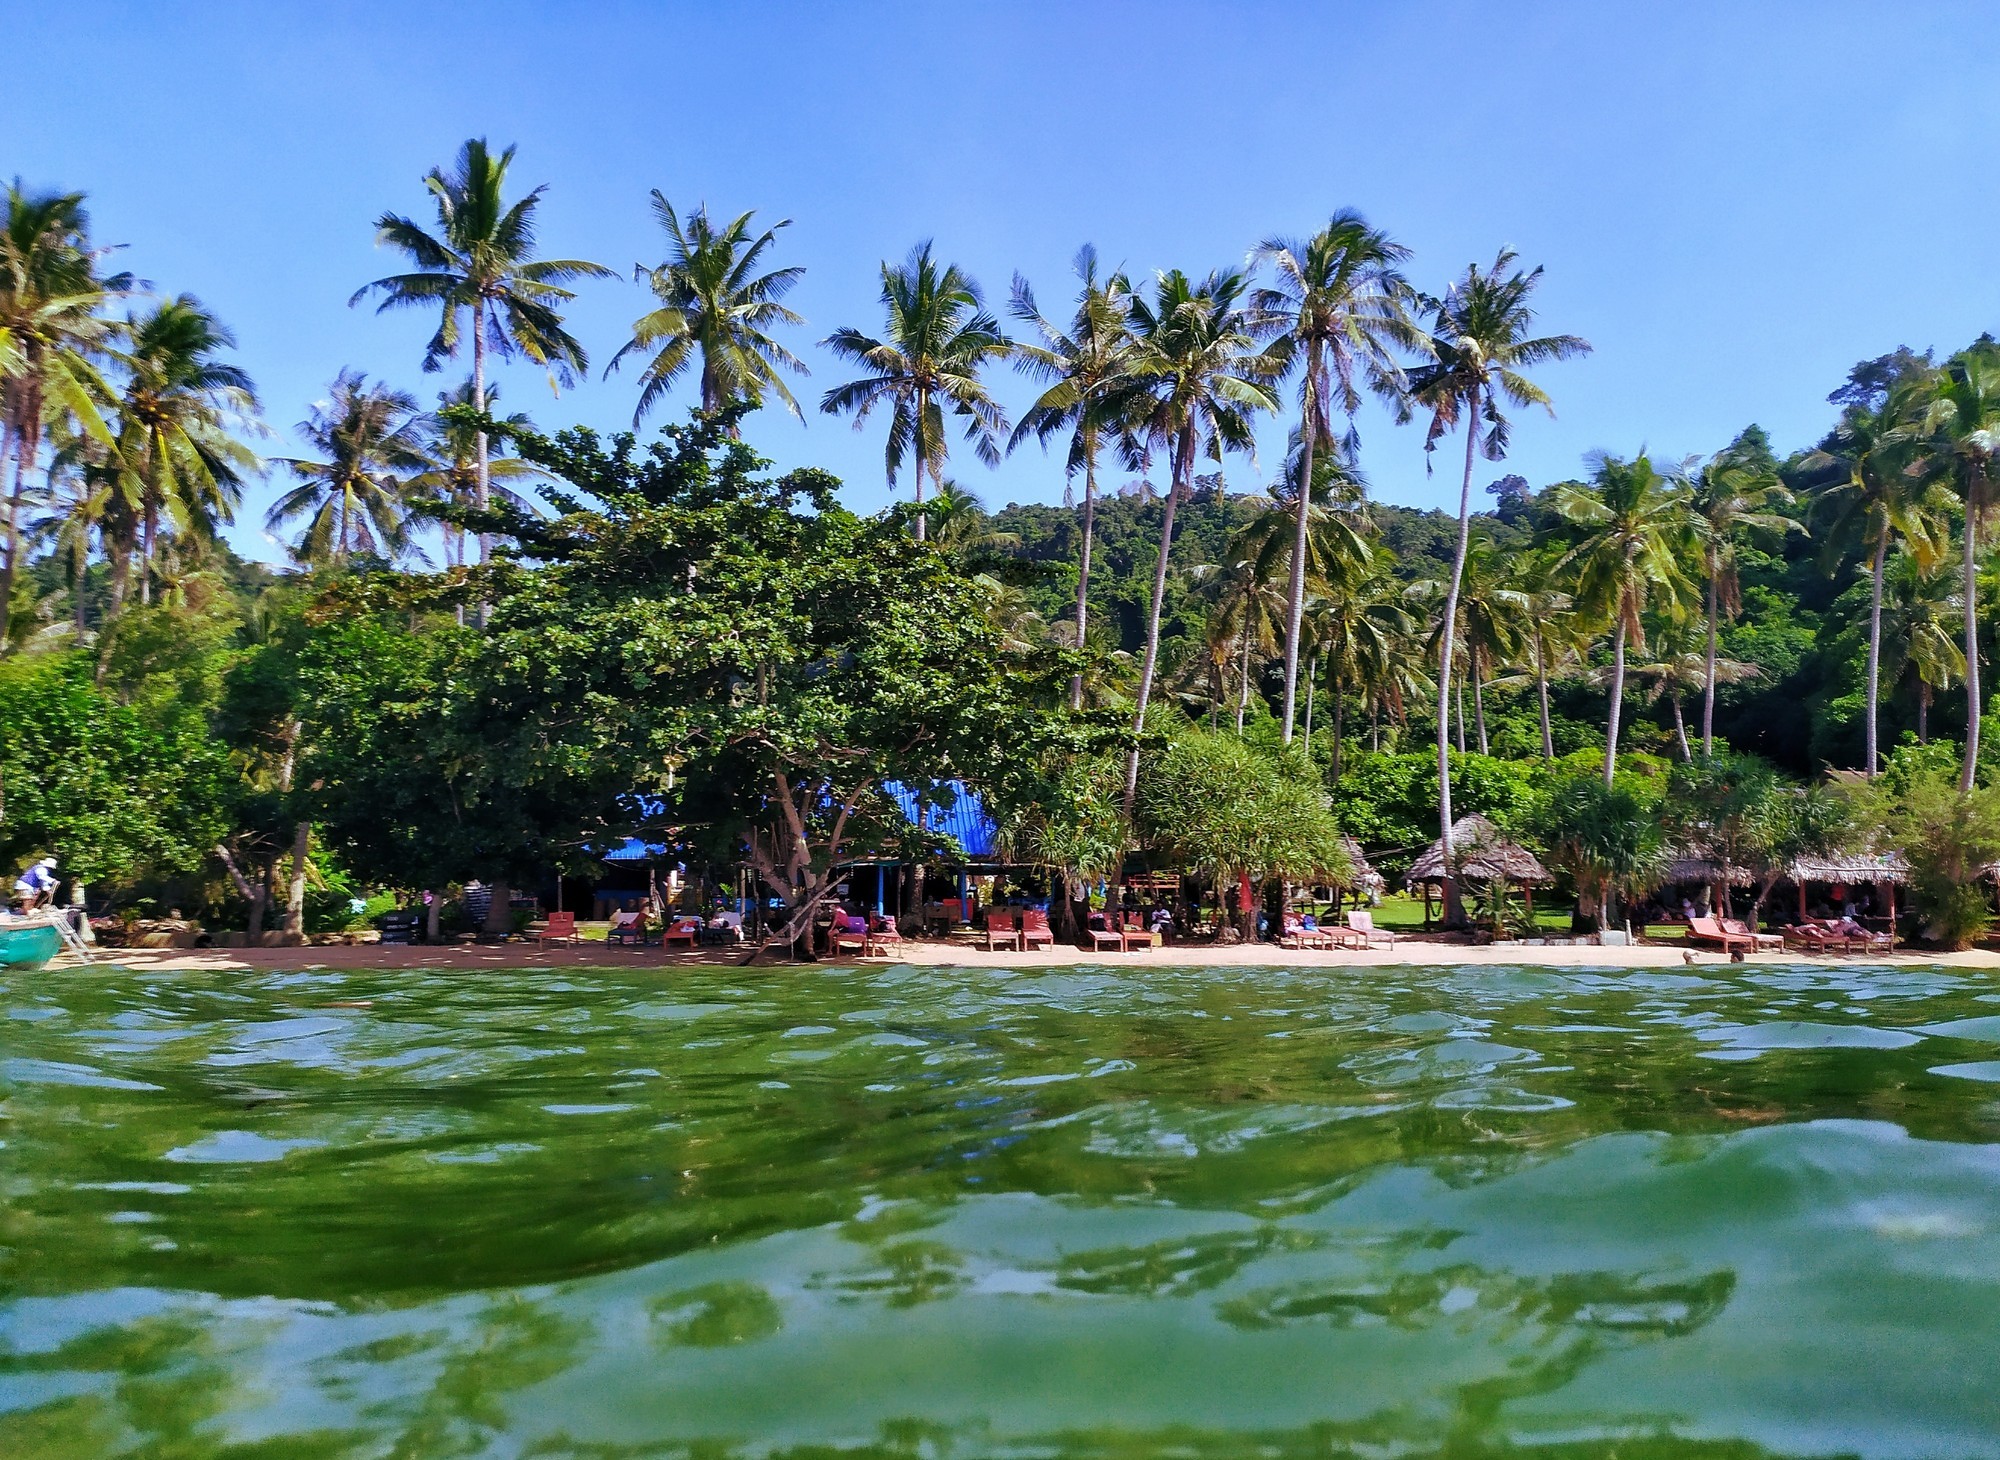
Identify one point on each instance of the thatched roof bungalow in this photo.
(1866, 867)
(1482, 853)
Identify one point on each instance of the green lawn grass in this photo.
(1405, 913)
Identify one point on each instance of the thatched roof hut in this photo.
(1864, 867)
(1692, 864)
(1363, 877)
(1482, 854)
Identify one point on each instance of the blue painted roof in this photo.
(632, 849)
(962, 816)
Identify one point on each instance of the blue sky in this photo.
(1734, 202)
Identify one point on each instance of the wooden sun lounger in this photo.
(1003, 928)
(1737, 928)
(1035, 930)
(1707, 930)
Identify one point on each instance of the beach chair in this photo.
(882, 932)
(682, 930)
(1708, 930)
(628, 929)
(1132, 928)
(849, 934)
(1808, 936)
(1102, 935)
(1003, 928)
(560, 928)
(1035, 929)
(1737, 928)
(1295, 934)
(1361, 923)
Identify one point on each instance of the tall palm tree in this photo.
(1733, 495)
(84, 479)
(1636, 541)
(480, 262)
(52, 335)
(1204, 380)
(1091, 391)
(180, 413)
(1963, 421)
(713, 303)
(1337, 525)
(1550, 633)
(1480, 343)
(1243, 620)
(1681, 664)
(1341, 310)
(938, 340)
(453, 474)
(1355, 626)
(355, 497)
(1920, 603)
(1492, 614)
(1882, 494)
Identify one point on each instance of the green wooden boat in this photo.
(28, 943)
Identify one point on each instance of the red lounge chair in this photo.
(1707, 930)
(1297, 935)
(1003, 927)
(1103, 936)
(1737, 928)
(1035, 929)
(882, 932)
(1132, 926)
(849, 934)
(682, 930)
(560, 928)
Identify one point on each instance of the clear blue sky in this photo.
(1734, 201)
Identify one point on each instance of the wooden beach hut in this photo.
(1483, 855)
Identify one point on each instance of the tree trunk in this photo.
(431, 911)
(482, 482)
(1339, 726)
(1454, 908)
(499, 912)
(24, 442)
(1458, 693)
(295, 895)
(1083, 560)
(1617, 699)
(1542, 696)
(1312, 674)
(1923, 712)
(922, 527)
(1183, 463)
(1708, 677)
(1681, 730)
(1972, 505)
(151, 526)
(1295, 603)
(1479, 702)
(1243, 679)
(1874, 761)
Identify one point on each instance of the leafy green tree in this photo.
(716, 306)
(939, 338)
(1732, 496)
(1491, 618)
(1340, 309)
(1358, 628)
(1919, 606)
(1244, 617)
(181, 413)
(1608, 837)
(452, 479)
(1881, 496)
(356, 498)
(480, 263)
(1636, 541)
(1949, 835)
(1092, 390)
(52, 336)
(1678, 667)
(1963, 423)
(1480, 344)
(1204, 380)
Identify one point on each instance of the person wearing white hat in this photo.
(37, 885)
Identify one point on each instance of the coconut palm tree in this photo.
(479, 265)
(715, 305)
(939, 338)
(1204, 380)
(1337, 526)
(1091, 392)
(1733, 495)
(1920, 605)
(1492, 614)
(1244, 615)
(1681, 665)
(1341, 310)
(957, 525)
(453, 474)
(1636, 542)
(371, 444)
(1480, 344)
(180, 412)
(1881, 495)
(1355, 627)
(1962, 422)
(1550, 634)
(52, 336)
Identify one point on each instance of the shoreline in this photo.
(940, 953)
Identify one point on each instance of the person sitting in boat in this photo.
(37, 885)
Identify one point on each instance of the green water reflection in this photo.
(919, 1212)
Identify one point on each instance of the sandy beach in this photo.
(1419, 950)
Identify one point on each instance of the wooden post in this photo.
(1802, 899)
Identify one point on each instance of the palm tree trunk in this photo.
(1923, 712)
(10, 536)
(1312, 673)
(1479, 702)
(1374, 728)
(482, 482)
(295, 895)
(1083, 560)
(1617, 699)
(1243, 679)
(1454, 909)
(1339, 725)
(1458, 691)
(1542, 695)
(921, 525)
(1295, 603)
(1972, 505)
(1183, 464)
(1681, 730)
(152, 522)
(1708, 678)
(1874, 650)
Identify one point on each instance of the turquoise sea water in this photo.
(1113, 1211)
